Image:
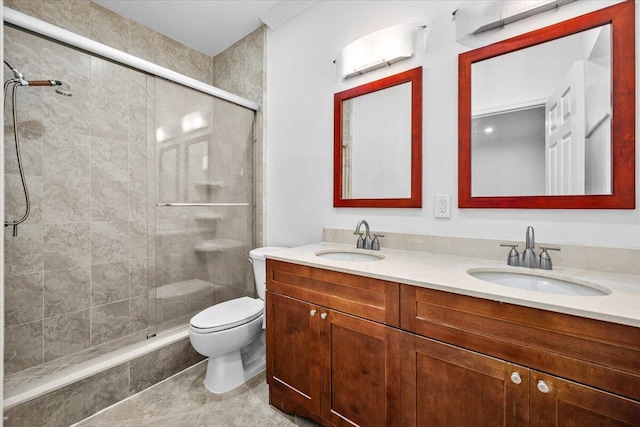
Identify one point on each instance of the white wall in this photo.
(300, 85)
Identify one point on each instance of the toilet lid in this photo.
(228, 314)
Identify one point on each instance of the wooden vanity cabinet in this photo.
(333, 367)
(348, 350)
(589, 369)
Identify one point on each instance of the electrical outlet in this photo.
(443, 206)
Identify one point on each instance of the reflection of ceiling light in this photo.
(193, 121)
(488, 129)
(377, 50)
(161, 134)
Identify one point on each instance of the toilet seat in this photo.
(227, 315)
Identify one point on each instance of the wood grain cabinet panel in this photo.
(568, 404)
(446, 386)
(592, 352)
(335, 368)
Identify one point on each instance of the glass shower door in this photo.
(204, 213)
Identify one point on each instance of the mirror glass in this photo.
(378, 143)
(541, 118)
(547, 119)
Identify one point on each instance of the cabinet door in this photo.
(446, 386)
(360, 371)
(293, 352)
(557, 402)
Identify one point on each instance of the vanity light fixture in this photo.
(379, 49)
(475, 17)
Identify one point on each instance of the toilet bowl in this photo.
(231, 333)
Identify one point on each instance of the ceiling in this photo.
(209, 26)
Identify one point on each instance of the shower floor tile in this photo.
(183, 400)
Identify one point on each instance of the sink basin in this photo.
(350, 256)
(531, 282)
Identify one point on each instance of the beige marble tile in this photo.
(151, 368)
(23, 253)
(23, 50)
(66, 200)
(66, 334)
(66, 290)
(109, 241)
(109, 282)
(109, 119)
(109, 200)
(72, 15)
(138, 277)
(66, 245)
(109, 28)
(147, 44)
(30, 139)
(23, 298)
(67, 155)
(22, 346)
(138, 313)
(109, 322)
(109, 159)
(72, 403)
(15, 203)
(138, 242)
(30, 7)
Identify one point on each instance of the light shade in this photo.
(377, 50)
(474, 17)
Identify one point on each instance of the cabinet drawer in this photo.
(372, 299)
(597, 353)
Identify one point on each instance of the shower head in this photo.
(63, 89)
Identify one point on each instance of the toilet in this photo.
(231, 333)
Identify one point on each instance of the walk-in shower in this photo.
(141, 207)
(12, 86)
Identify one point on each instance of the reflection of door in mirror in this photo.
(377, 144)
(569, 80)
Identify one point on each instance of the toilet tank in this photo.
(260, 266)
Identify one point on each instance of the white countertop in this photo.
(449, 273)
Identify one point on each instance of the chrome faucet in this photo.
(363, 242)
(529, 257)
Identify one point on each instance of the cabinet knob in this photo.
(515, 377)
(543, 387)
(313, 312)
(323, 316)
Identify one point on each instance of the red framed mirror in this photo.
(588, 163)
(378, 143)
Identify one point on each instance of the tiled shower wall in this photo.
(76, 273)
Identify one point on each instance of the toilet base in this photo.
(230, 370)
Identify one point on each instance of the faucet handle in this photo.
(360, 242)
(545, 259)
(375, 244)
(514, 257)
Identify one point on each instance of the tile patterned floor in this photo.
(183, 400)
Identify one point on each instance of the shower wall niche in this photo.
(98, 264)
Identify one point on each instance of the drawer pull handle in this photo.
(313, 312)
(543, 387)
(323, 316)
(515, 378)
